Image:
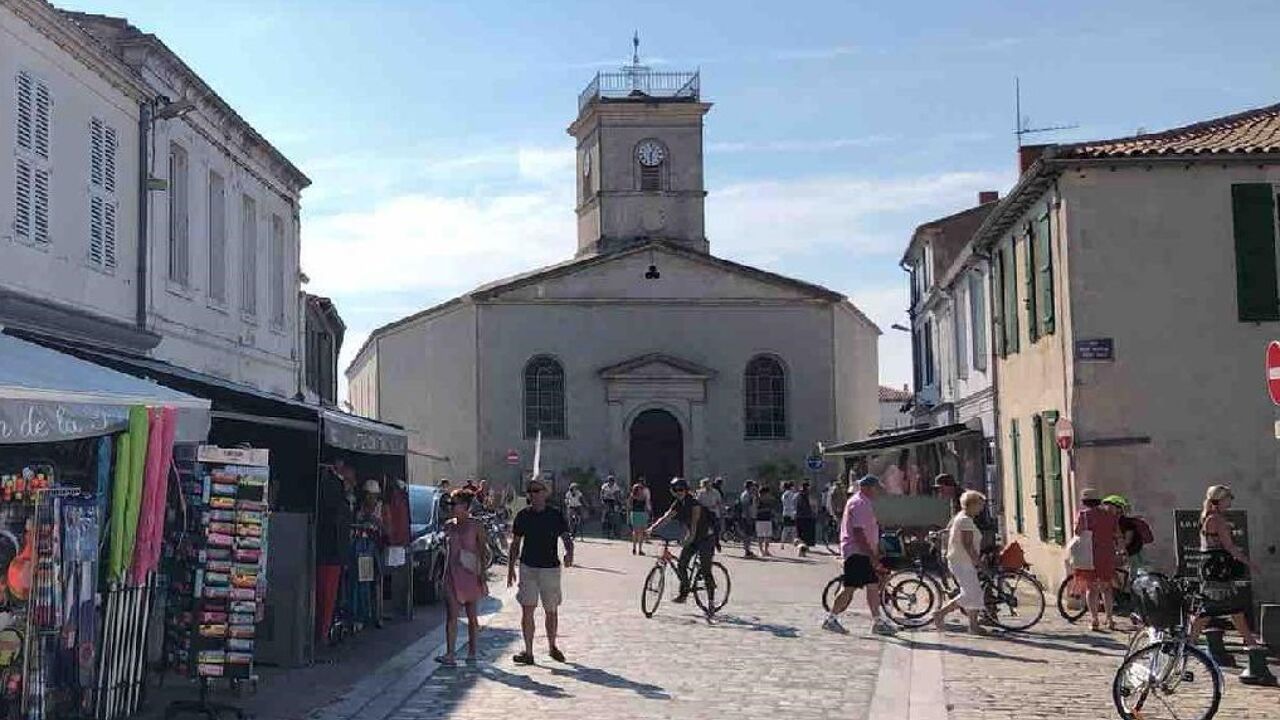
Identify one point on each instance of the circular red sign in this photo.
(1273, 371)
(1065, 433)
(513, 457)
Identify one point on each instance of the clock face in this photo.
(650, 153)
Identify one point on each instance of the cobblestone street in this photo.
(766, 658)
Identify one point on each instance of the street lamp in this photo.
(897, 326)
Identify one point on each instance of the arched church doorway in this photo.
(657, 453)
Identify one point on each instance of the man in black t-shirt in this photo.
(535, 533)
(699, 538)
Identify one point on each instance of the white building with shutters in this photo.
(202, 269)
(1136, 291)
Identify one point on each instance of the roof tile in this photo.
(1249, 132)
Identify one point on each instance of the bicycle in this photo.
(611, 522)
(1169, 668)
(575, 522)
(710, 600)
(1123, 600)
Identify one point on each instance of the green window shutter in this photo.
(997, 298)
(1030, 257)
(1044, 282)
(1009, 310)
(1253, 218)
(1053, 478)
(1019, 521)
(1042, 507)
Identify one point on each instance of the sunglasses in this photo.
(537, 490)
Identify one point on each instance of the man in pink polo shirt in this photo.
(860, 546)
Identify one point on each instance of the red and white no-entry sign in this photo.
(1273, 371)
(513, 457)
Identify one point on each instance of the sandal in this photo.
(447, 661)
(523, 658)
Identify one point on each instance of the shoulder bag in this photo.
(1080, 549)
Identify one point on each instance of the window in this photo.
(217, 238)
(179, 249)
(651, 177)
(1044, 273)
(277, 271)
(959, 328)
(544, 398)
(1019, 522)
(103, 205)
(978, 320)
(1006, 278)
(928, 353)
(1030, 256)
(34, 112)
(249, 256)
(1253, 218)
(1050, 507)
(765, 399)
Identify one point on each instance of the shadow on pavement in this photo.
(522, 682)
(754, 624)
(1088, 644)
(611, 571)
(971, 652)
(596, 676)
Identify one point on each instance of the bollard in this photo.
(1218, 649)
(1257, 673)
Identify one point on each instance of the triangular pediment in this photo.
(656, 366)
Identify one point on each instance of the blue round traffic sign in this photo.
(814, 462)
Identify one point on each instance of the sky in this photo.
(434, 132)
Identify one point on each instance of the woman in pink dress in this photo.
(464, 571)
(1105, 527)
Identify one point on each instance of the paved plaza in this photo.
(765, 658)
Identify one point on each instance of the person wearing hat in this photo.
(699, 537)
(1103, 526)
(860, 546)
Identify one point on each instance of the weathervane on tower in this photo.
(635, 71)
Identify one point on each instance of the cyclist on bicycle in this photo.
(573, 507)
(611, 501)
(699, 538)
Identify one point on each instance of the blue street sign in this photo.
(814, 462)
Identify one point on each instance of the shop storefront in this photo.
(85, 454)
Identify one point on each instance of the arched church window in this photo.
(544, 398)
(765, 398)
(651, 156)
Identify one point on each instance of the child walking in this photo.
(463, 573)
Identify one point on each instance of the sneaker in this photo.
(523, 658)
(833, 624)
(880, 627)
(556, 654)
(680, 599)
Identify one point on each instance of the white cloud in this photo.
(887, 305)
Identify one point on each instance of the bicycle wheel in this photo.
(1066, 612)
(1169, 679)
(908, 599)
(830, 592)
(651, 594)
(712, 603)
(1015, 599)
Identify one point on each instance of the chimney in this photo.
(988, 196)
(1027, 155)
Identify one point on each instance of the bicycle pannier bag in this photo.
(1157, 600)
(1012, 557)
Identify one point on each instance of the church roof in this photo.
(626, 366)
(493, 289)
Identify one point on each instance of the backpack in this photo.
(1143, 530)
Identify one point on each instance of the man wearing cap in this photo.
(860, 546)
(699, 538)
(534, 534)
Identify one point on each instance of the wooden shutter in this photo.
(43, 116)
(1009, 308)
(1053, 478)
(277, 271)
(40, 206)
(109, 146)
(217, 238)
(179, 251)
(1253, 217)
(997, 297)
(95, 230)
(1041, 496)
(97, 148)
(26, 101)
(1044, 281)
(1019, 521)
(22, 218)
(978, 320)
(249, 255)
(109, 234)
(1032, 251)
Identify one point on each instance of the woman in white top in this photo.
(962, 557)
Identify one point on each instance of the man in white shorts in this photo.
(535, 532)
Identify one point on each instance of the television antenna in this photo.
(1022, 125)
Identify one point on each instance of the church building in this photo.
(642, 355)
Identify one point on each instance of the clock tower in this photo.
(639, 147)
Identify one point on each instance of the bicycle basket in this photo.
(1012, 557)
(1157, 600)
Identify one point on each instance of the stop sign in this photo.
(1273, 371)
(513, 457)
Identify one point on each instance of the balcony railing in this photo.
(642, 82)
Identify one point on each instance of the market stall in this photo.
(84, 471)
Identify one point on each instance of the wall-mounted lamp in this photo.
(167, 110)
(904, 329)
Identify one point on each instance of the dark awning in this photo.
(357, 434)
(900, 441)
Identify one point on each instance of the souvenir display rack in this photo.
(217, 579)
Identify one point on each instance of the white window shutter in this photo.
(217, 238)
(109, 159)
(109, 235)
(22, 220)
(96, 149)
(249, 255)
(44, 112)
(95, 230)
(40, 206)
(26, 111)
